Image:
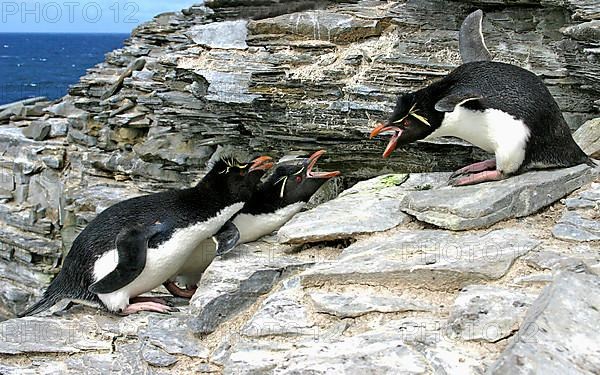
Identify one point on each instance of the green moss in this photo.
(393, 180)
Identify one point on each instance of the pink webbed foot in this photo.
(478, 178)
(148, 306)
(176, 291)
(150, 299)
(481, 166)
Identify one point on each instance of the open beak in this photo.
(312, 161)
(262, 163)
(381, 128)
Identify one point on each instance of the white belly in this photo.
(162, 262)
(251, 228)
(492, 130)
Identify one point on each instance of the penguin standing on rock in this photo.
(135, 245)
(501, 108)
(282, 195)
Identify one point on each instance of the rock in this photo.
(588, 137)
(65, 108)
(587, 31)
(559, 333)
(234, 282)
(172, 336)
(157, 357)
(319, 24)
(226, 34)
(435, 260)
(40, 335)
(15, 109)
(482, 205)
(350, 355)
(137, 64)
(487, 313)
(369, 206)
(352, 305)
(580, 221)
(574, 226)
(281, 314)
(37, 130)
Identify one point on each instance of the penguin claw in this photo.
(481, 166)
(147, 306)
(477, 178)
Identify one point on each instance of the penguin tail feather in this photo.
(54, 294)
(592, 163)
(45, 303)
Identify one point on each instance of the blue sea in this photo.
(46, 64)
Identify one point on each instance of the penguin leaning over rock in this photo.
(283, 194)
(501, 108)
(135, 245)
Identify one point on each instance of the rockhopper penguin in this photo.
(136, 245)
(284, 193)
(501, 108)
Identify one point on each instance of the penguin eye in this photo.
(241, 172)
(298, 179)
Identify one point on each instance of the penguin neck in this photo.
(267, 198)
(215, 189)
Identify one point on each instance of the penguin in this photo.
(500, 108)
(136, 245)
(283, 194)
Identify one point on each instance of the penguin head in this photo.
(297, 182)
(239, 179)
(411, 120)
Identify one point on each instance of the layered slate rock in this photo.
(351, 355)
(588, 137)
(233, 282)
(283, 314)
(369, 206)
(560, 331)
(354, 304)
(487, 313)
(580, 221)
(429, 259)
(479, 206)
(43, 335)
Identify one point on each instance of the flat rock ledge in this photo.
(428, 259)
(383, 203)
(581, 218)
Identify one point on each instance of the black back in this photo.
(505, 87)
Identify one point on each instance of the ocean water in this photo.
(46, 64)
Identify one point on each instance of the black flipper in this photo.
(132, 245)
(470, 39)
(227, 237)
(450, 101)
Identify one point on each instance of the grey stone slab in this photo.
(588, 136)
(560, 332)
(430, 259)
(479, 206)
(157, 357)
(233, 282)
(488, 313)
(580, 220)
(354, 304)
(51, 335)
(172, 336)
(38, 130)
(282, 314)
(369, 206)
(226, 34)
(349, 355)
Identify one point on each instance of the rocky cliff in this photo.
(377, 278)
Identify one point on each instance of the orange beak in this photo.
(262, 163)
(312, 160)
(380, 128)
